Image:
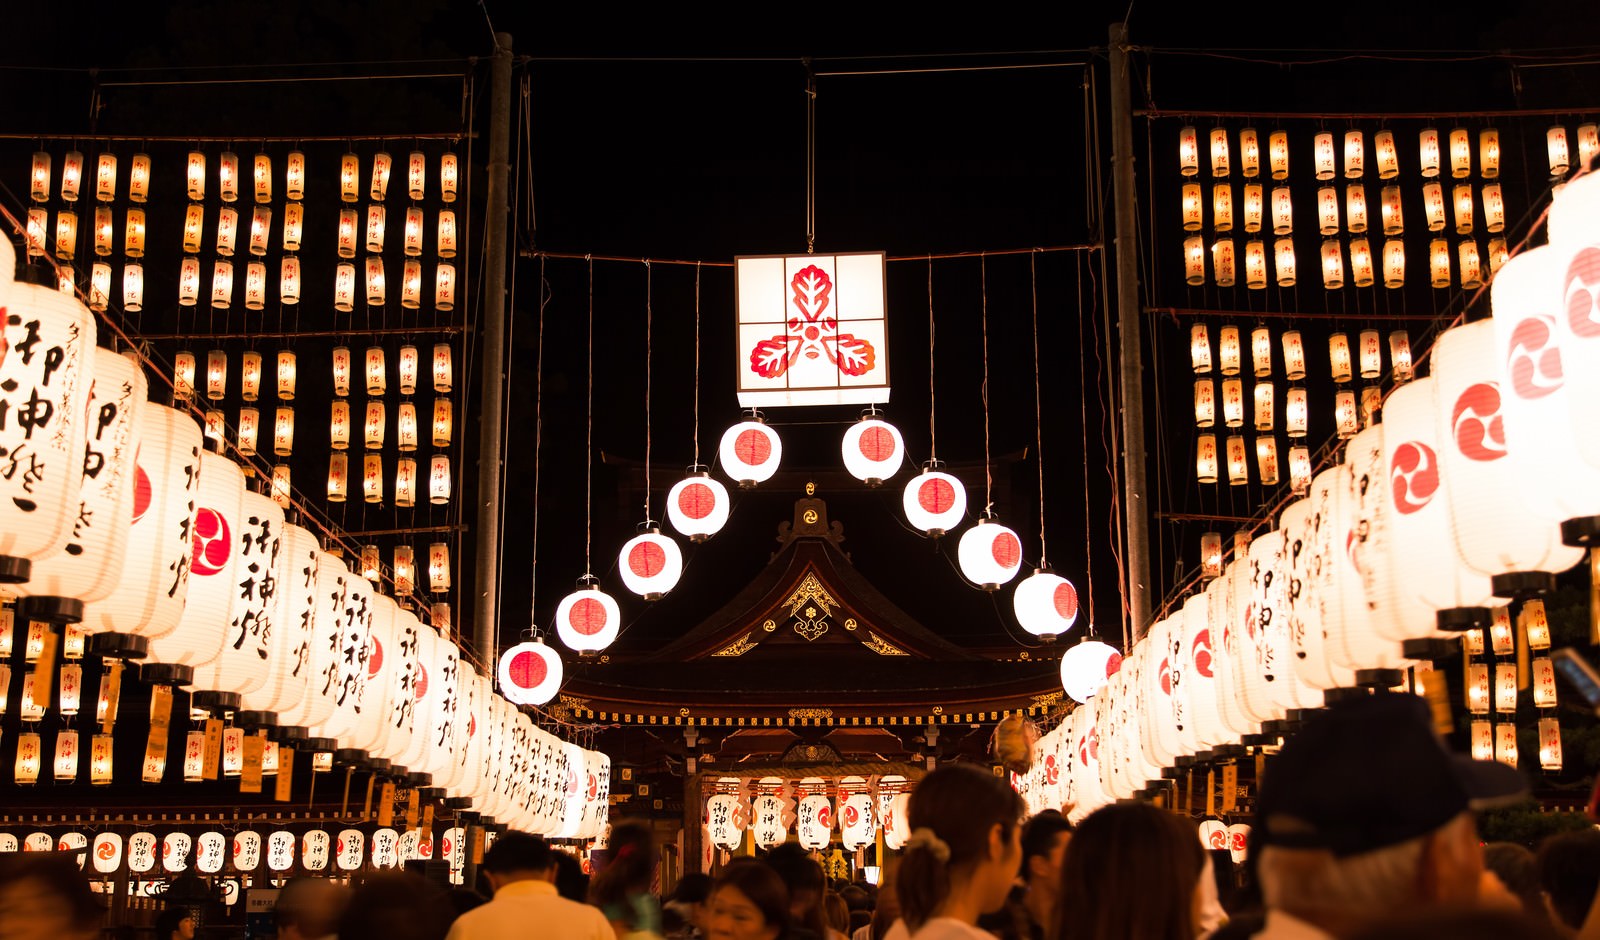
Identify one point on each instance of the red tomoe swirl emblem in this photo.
(1413, 476)
(1201, 648)
(1477, 424)
(852, 816)
(825, 816)
(213, 542)
(1052, 773)
(1583, 294)
(1533, 360)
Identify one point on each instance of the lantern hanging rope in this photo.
(649, 322)
(538, 433)
(1038, 407)
(588, 447)
(696, 442)
(933, 436)
(988, 473)
(1083, 412)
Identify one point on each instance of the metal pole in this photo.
(1135, 505)
(491, 453)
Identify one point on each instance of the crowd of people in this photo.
(1364, 830)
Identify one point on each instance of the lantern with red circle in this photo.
(1085, 668)
(650, 563)
(814, 821)
(530, 673)
(1046, 604)
(697, 506)
(750, 452)
(873, 449)
(587, 620)
(935, 501)
(990, 554)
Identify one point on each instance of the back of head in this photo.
(1458, 924)
(571, 882)
(1569, 870)
(837, 912)
(952, 812)
(1130, 871)
(805, 880)
(760, 885)
(397, 907)
(311, 906)
(630, 867)
(171, 921)
(518, 852)
(692, 888)
(1039, 835)
(1518, 870)
(56, 877)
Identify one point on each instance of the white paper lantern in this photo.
(1085, 668)
(697, 506)
(198, 637)
(750, 453)
(990, 554)
(530, 673)
(245, 659)
(324, 687)
(873, 450)
(650, 564)
(1046, 604)
(814, 822)
(587, 620)
(1575, 242)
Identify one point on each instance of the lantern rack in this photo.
(1159, 113)
(190, 139)
(1177, 312)
(447, 330)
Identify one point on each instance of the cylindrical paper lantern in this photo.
(198, 637)
(1283, 262)
(1322, 156)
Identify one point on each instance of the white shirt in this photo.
(524, 906)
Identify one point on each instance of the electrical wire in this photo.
(649, 320)
(811, 158)
(588, 447)
(538, 438)
(697, 367)
(1083, 417)
(988, 469)
(933, 436)
(1038, 407)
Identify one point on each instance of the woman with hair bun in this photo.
(962, 857)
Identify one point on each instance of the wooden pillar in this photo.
(692, 801)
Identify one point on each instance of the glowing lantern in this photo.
(989, 554)
(1222, 262)
(697, 506)
(38, 224)
(1393, 217)
(371, 563)
(228, 176)
(750, 452)
(449, 169)
(439, 480)
(1505, 743)
(1263, 406)
(1205, 404)
(1489, 152)
(1299, 469)
(1046, 604)
(349, 177)
(1371, 354)
(196, 174)
(1191, 207)
(372, 478)
(1461, 198)
(255, 286)
(376, 290)
(1194, 260)
(99, 286)
(1433, 206)
(1322, 156)
(1354, 155)
(72, 176)
(587, 620)
(1205, 460)
(1555, 146)
(286, 374)
(1460, 153)
(1394, 263)
(1219, 151)
(1211, 555)
(289, 281)
(66, 235)
(339, 424)
(39, 179)
(66, 757)
(1200, 348)
(382, 166)
(28, 758)
(102, 231)
(405, 427)
(1249, 152)
(1233, 402)
(441, 422)
(1086, 667)
(1228, 350)
(405, 483)
(260, 230)
(132, 287)
(1296, 412)
(1253, 207)
(1355, 208)
(1537, 624)
(444, 288)
(1328, 210)
(183, 375)
(1439, 262)
(1428, 151)
(100, 775)
(405, 569)
(530, 673)
(1482, 734)
(1344, 414)
(338, 476)
(873, 450)
(1188, 151)
(1278, 154)
(447, 233)
(263, 178)
(1549, 744)
(1238, 463)
(1267, 460)
(376, 370)
(1494, 209)
(249, 429)
(376, 217)
(1255, 265)
(293, 225)
(1222, 207)
(281, 486)
(1283, 259)
(1471, 268)
(1282, 211)
(650, 564)
(1332, 265)
(442, 372)
(222, 285)
(1361, 262)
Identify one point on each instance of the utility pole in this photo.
(1134, 489)
(491, 446)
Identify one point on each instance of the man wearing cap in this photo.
(522, 869)
(1364, 815)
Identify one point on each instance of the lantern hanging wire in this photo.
(649, 321)
(1083, 406)
(988, 472)
(696, 441)
(933, 436)
(1038, 407)
(538, 434)
(588, 447)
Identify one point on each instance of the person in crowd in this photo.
(747, 901)
(571, 882)
(1569, 873)
(622, 888)
(177, 923)
(1518, 869)
(1437, 924)
(837, 914)
(1131, 870)
(522, 869)
(1031, 905)
(1341, 851)
(858, 901)
(885, 906)
(685, 912)
(398, 906)
(804, 878)
(962, 856)
(309, 908)
(46, 897)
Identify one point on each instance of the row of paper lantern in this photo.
(1264, 407)
(1229, 359)
(247, 851)
(374, 428)
(773, 809)
(1364, 270)
(229, 176)
(215, 579)
(252, 372)
(1254, 214)
(1431, 148)
(1482, 480)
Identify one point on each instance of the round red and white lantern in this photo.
(1046, 604)
(750, 453)
(49, 391)
(935, 501)
(697, 506)
(990, 554)
(1085, 668)
(873, 450)
(650, 563)
(530, 673)
(587, 620)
